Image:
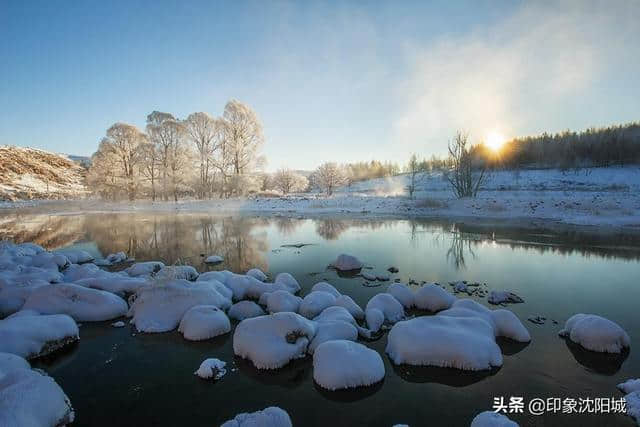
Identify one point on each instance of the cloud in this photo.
(516, 76)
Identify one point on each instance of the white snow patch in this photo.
(633, 405)
(272, 341)
(211, 368)
(332, 330)
(202, 322)
(492, 419)
(280, 301)
(118, 324)
(245, 310)
(256, 273)
(629, 386)
(170, 272)
(341, 364)
(83, 304)
(144, 268)
(385, 304)
(596, 333)
(29, 335)
(433, 298)
(315, 302)
(402, 293)
(289, 281)
(269, 417)
(503, 297)
(326, 287)
(213, 259)
(352, 307)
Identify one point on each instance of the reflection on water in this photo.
(147, 379)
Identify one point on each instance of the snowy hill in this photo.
(28, 173)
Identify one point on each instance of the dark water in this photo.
(117, 377)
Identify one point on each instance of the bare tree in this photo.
(328, 176)
(461, 177)
(243, 138)
(150, 166)
(287, 181)
(122, 147)
(413, 168)
(204, 131)
(162, 137)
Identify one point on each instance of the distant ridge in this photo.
(30, 173)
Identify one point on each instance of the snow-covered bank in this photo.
(607, 197)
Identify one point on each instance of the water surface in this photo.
(119, 377)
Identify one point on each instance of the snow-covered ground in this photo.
(598, 196)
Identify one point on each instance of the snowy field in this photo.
(606, 197)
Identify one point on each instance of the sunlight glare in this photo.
(495, 140)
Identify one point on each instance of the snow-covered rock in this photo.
(160, 308)
(202, 322)
(433, 298)
(75, 256)
(335, 313)
(83, 271)
(279, 301)
(504, 322)
(256, 273)
(144, 268)
(213, 259)
(596, 333)
(114, 283)
(346, 262)
(241, 285)
(288, 281)
(10, 362)
(492, 419)
(118, 324)
(352, 307)
(385, 304)
(369, 276)
(341, 364)
(272, 341)
(245, 310)
(83, 304)
(633, 405)
(222, 289)
(30, 335)
(32, 398)
(171, 272)
(332, 330)
(13, 296)
(503, 297)
(315, 302)
(326, 287)
(220, 276)
(116, 258)
(211, 368)
(451, 342)
(629, 386)
(269, 417)
(402, 293)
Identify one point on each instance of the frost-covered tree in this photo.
(242, 140)
(287, 181)
(413, 169)
(205, 132)
(464, 181)
(328, 176)
(103, 177)
(122, 147)
(150, 166)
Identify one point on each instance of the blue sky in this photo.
(340, 81)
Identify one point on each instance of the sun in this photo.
(495, 140)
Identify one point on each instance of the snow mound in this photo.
(213, 259)
(288, 281)
(332, 330)
(245, 310)
(451, 342)
(242, 286)
(272, 341)
(402, 293)
(211, 368)
(30, 335)
(326, 287)
(433, 298)
(280, 301)
(220, 276)
(385, 305)
(369, 276)
(596, 333)
(118, 324)
(492, 419)
(629, 386)
(503, 297)
(633, 405)
(14, 295)
(269, 417)
(10, 362)
(32, 398)
(346, 262)
(160, 308)
(315, 302)
(144, 268)
(170, 272)
(202, 322)
(504, 322)
(75, 256)
(335, 313)
(344, 364)
(352, 307)
(83, 304)
(256, 273)
(214, 284)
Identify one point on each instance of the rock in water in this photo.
(211, 368)
(342, 364)
(596, 333)
(346, 262)
(269, 417)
